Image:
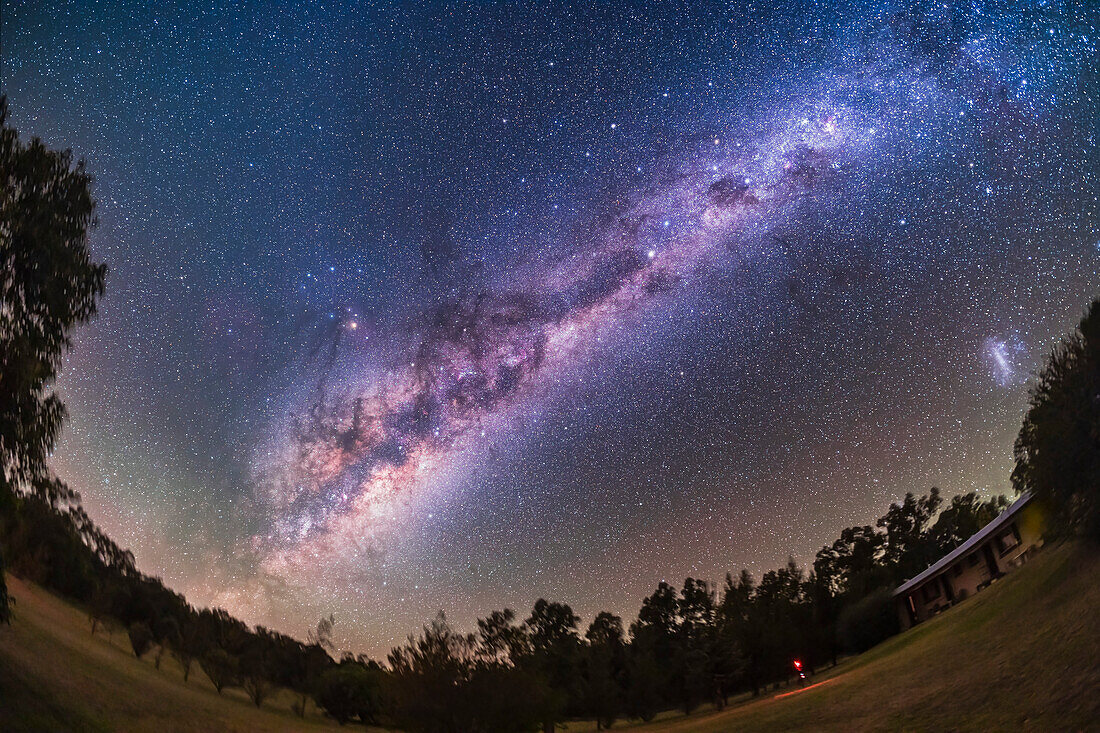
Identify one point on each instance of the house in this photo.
(1005, 543)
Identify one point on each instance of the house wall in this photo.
(968, 574)
(1010, 547)
(965, 576)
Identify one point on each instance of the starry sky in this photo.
(454, 306)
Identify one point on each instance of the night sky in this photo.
(457, 306)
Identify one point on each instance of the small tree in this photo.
(141, 638)
(167, 633)
(500, 639)
(256, 673)
(258, 686)
(220, 667)
(187, 645)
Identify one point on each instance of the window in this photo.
(1007, 541)
(972, 559)
(958, 569)
(931, 592)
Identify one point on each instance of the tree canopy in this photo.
(1058, 449)
(48, 284)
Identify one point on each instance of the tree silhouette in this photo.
(728, 662)
(501, 640)
(908, 546)
(187, 646)
(351, 690)
(308, 665)
(1058, 449)
(694, 660)
(431, 674)
(48, 284)
(964, 516)
(552, 634)
(167, 631)
(603, 669)
(655, 629)
(219, 667)
(775, 618)
(644, 680)
(141, 638)
(854, 564)
(257, 666)
(735, 620)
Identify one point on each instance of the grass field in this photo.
(56, 676)
(1022, 655)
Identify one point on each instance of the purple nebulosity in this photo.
(353, 460)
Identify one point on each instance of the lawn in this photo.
(1023, 654)
(56, 676)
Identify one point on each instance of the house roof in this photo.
(975, 540)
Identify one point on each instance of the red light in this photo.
(797, 664)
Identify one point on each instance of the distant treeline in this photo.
(699, 644)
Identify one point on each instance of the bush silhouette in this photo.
(141, 638)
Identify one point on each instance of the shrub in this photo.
(868, 621)
(350, 691)
(141, 638)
